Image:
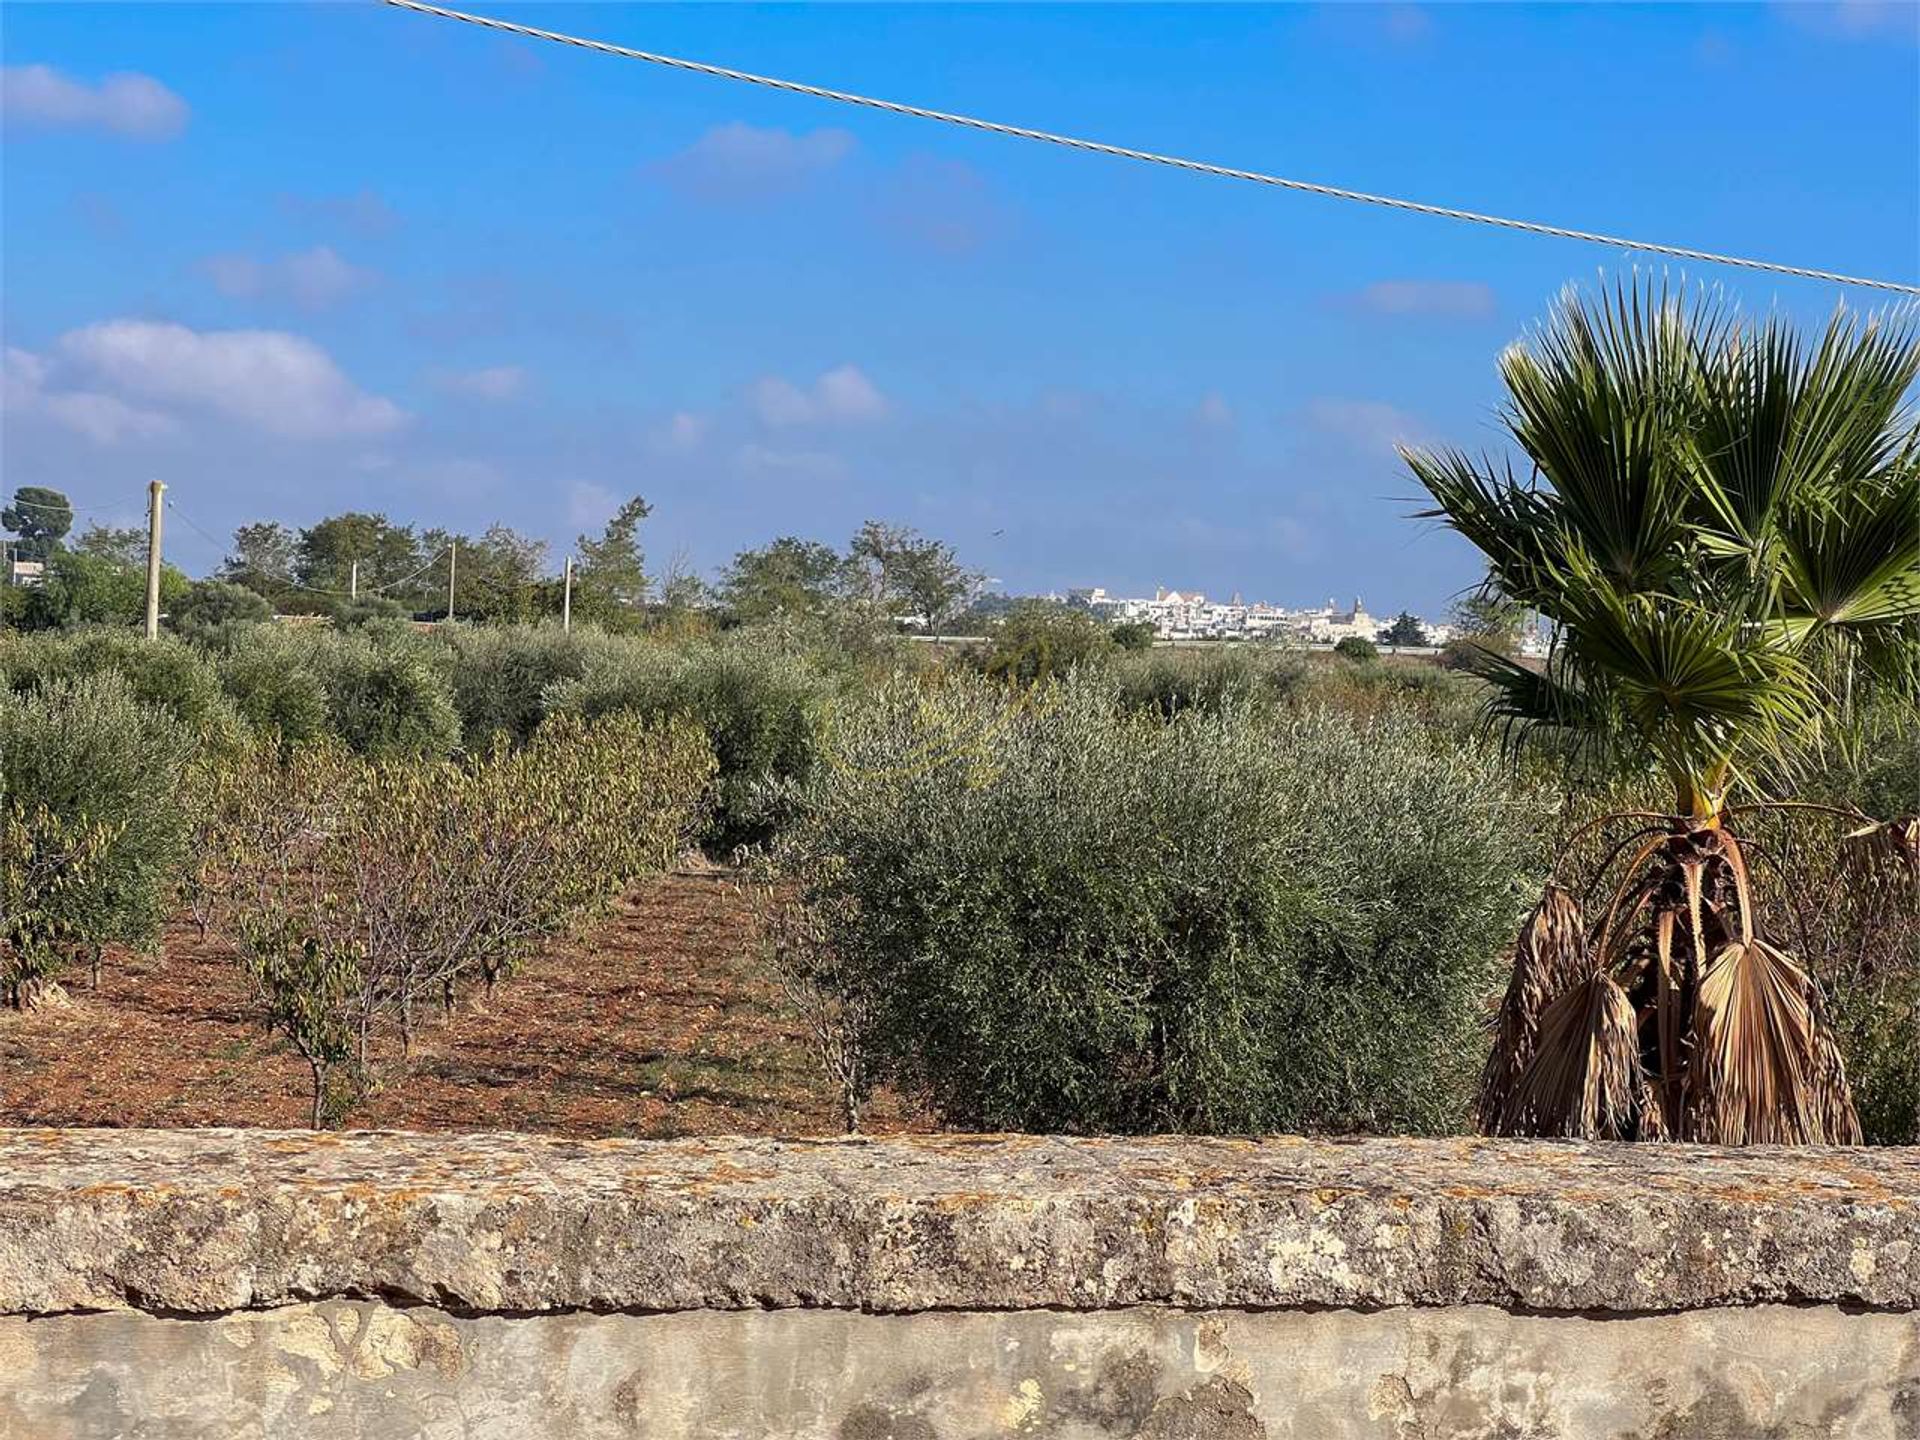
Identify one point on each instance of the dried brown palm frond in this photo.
(1584, 1079)
(1549, 958)
(1763, 1068)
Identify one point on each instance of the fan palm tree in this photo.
(1720, 522)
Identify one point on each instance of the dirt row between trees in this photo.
(658, 1024)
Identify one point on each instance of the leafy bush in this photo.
(276, 686)
(385, 699)
(1357, 649)
(212, 603)
(1036, 640)
(1170, 681)
(761, 706)
(1133, 635)
(165, 673)
(1058, 917)
(88, 771)
(501, 676)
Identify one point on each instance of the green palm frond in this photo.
(1725, 529)
(1853, 557)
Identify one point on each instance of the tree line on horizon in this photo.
(358, 565)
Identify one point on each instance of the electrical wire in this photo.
(1122, 152)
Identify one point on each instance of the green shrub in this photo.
(277, 688)
(89, 755)
(166, 673)
(1037, 640)
(1060, 917)
(213, 603)
(501, 676)
(1169, 681)
(386, 699)
(761, 706)
(1357, 649)
(1133, 635)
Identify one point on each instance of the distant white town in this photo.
(1190, 615)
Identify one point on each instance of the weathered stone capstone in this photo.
(201, 1222)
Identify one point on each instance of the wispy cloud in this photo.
(741, 162)
(127, 104)
(493, 382)
(1371, 426)
(1451, 299)
(313, 279)
(1855, 19)
(277, 382)
(941, 205)
(842, 394)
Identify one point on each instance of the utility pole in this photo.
(353, 580)
(154, 491)
(566, 598)
(453, 566)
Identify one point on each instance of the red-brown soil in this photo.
(659, 1023)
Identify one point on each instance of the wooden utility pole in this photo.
(154, 491)
(353, 580)
(566, 598)
(453, 566)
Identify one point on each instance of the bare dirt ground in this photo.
(657, 1024)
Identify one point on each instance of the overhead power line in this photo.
(1122, 152)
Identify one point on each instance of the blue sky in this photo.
(292, 259)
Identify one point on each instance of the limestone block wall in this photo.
(246, 1283)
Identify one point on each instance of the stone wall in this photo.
(227, 1283)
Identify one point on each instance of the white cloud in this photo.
(1456, 299)
(104, 419)
(738, 161)
(135, 106)
(682, 434)
(312, 279)
(494, 382)
(281, 383)
(1372, 426)
(843, 394)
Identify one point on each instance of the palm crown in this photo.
(1721, 523)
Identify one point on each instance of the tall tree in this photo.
(1406, 629)
(790, 576)
(873, 561)
(500, 577)
(328, 550)
(931, 582)
(610, 576)
(40, 517)
(122, 544)
(264, 554)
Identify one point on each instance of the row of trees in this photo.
(357, 892)
(886, 573)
